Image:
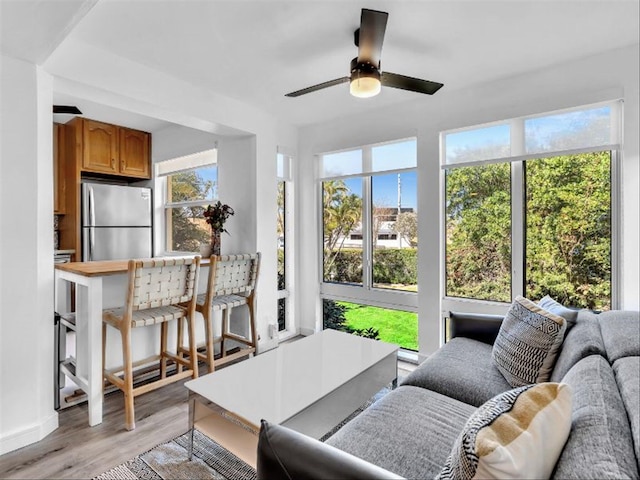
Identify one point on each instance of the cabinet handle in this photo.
(113, 164)
(122, 164)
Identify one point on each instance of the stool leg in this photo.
(179, 353)
(193, 352)
(163, 349)
(208, 330)
(225, 329)
(252, 324)
(130, 423)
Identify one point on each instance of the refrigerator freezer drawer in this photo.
(115, 206)
(115, 243)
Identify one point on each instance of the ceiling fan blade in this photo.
(371, 35)
(70, 109)
(320, 86)
(410, 83)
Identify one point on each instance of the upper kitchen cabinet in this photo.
(110, 149)
(134, 153)
(59, 183)
(99, 147)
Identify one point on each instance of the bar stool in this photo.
(231, 283)
(159, 290)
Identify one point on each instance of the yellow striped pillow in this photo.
(517, 434)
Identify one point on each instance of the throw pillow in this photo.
(550, 305)
(528, 342)
(517, 434)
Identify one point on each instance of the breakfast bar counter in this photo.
(98, 285)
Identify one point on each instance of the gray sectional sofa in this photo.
(409, 433)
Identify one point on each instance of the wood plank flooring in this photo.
(76, 450)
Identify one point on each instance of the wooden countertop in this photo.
(103, 268)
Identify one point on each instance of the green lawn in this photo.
(394, 326)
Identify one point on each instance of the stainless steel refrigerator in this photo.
(116, 222)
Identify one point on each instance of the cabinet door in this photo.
(58, 202)
(134, 153)
(100, 147)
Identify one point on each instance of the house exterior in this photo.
(248, 139)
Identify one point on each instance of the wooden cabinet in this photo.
(96, 150)
(134, 153)
(58, 172)
(115, 150)
(99, 147)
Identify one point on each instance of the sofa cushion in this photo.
(621, 333)
(528, 342)
(582, 340)
(599, 445)
(454, 371)
(517, 434)
(410, 431)
(550, 305)
(627, 372)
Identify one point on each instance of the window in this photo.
(284, 243)
(369, 217)
(533, 216)
(190, 185)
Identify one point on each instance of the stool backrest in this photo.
(159, 282)
(233, 274)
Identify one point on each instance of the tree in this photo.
(407, 226)
(342, 212)
(188, 226)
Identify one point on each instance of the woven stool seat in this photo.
(142, 318)
(223, 301)
(160, 290)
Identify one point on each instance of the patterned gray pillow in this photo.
(528, 342)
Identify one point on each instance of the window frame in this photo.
(183, 164)
(365, 293)
(288, 293)
(518, 214)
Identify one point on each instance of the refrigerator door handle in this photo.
(92, 216)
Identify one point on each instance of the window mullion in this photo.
(518, 229)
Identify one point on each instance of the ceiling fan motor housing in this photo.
(365, 79)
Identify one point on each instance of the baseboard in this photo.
(29, 435)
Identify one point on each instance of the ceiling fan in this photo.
(366, 78)
(69, 109)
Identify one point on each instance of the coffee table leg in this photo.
(192, 407)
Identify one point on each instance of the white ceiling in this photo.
(256, 51)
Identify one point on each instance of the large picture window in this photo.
(369, 240)
(532, 216)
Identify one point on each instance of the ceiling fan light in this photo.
(365, 87)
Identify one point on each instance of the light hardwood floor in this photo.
(76, 450)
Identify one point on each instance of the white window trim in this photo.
(471, 305)
(166, 168)
(365, 294)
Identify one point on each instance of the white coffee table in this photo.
(309, 385)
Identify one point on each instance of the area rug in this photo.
(210, 460)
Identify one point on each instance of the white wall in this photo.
(602, 77)
(26, 254)
(26, 413)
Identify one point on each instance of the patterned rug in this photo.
(210, 460)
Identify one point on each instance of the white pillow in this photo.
(517, 434)
(528, 343)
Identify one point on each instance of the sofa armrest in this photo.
(287, 454)
(477, 326)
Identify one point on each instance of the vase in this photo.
(205, 250)
(215, 243)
